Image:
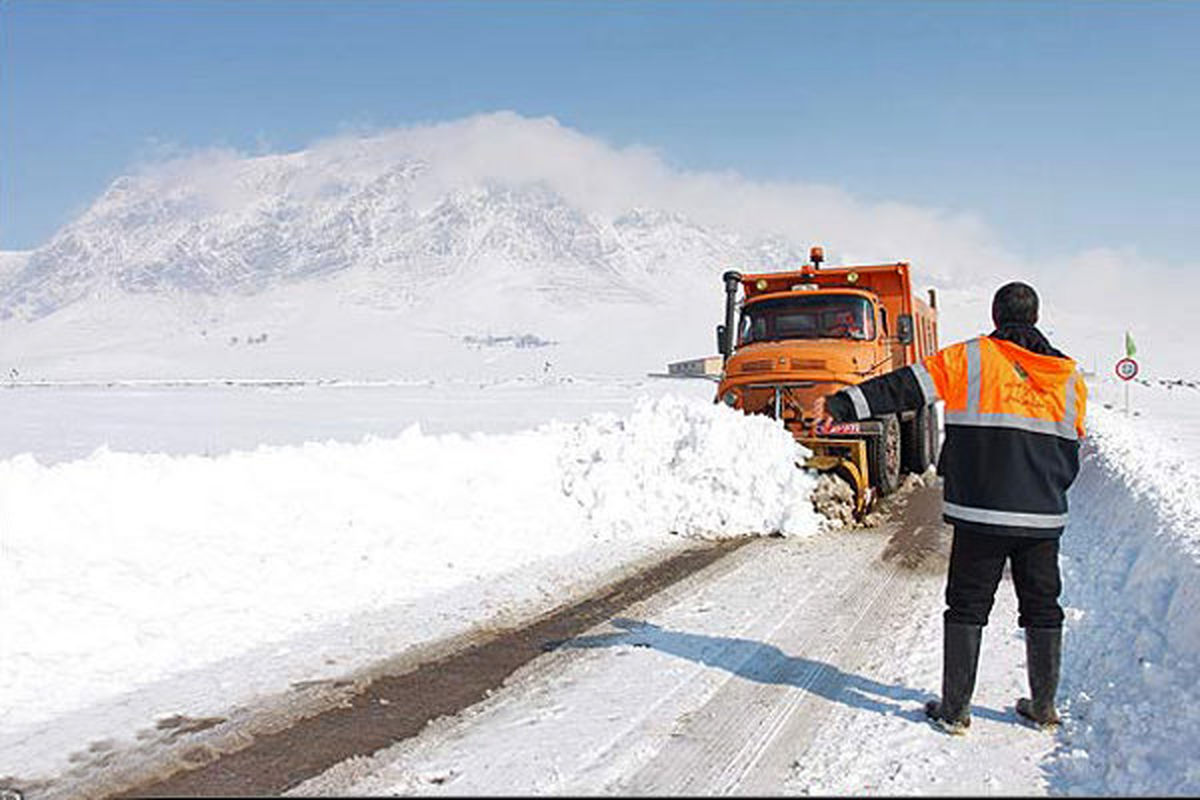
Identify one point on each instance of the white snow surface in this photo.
(66, 421)
(124, 569)
(137, 585)
(741, 639)
(1132, 578)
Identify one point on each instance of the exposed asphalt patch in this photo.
(921, 541)
(391, 708)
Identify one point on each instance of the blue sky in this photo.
(1062, 125)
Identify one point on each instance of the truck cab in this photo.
(790, 337)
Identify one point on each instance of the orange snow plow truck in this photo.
(795, 336)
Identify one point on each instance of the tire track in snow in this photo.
(740, 736)
(610, 754)
(607, 708)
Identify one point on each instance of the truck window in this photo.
(807, 317)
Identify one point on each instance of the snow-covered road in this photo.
(798, 665)
(794, 665)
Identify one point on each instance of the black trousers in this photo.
(976, 564)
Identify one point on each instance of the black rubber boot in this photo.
(1043, 662)
(960, 658)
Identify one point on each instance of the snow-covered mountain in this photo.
(333, 258)
(256, 224)
(11, 262)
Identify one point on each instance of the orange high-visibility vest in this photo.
(994, 382)
(1013, 418)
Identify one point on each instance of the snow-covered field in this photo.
(69, 420)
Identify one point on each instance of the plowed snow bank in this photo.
(121, 569)
(1132, 584)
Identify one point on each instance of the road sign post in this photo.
(1127, 369)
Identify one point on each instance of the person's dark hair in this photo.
(1015, 302)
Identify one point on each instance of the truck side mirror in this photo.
(904, 328)
(721, 343)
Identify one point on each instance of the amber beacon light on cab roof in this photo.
(798, 335)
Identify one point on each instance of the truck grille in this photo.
(809, 363)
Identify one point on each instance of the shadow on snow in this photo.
(766, 663)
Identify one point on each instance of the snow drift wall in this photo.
(1131, 558)
(122, 568)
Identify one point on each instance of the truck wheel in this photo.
(885, 457)
(915, 441)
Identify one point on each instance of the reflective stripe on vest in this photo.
(974, 376)
(973, 416)
(925, 381)
(990, 516)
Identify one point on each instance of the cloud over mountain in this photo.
(518, 207)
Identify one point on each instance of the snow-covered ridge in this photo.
(11, 263)
(105, 557)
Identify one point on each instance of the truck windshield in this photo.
(807, 317)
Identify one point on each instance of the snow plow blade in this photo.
(846, 458)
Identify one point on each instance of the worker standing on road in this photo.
(1014, 409)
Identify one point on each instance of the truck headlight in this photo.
(730, 398)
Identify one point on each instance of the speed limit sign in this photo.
(1127, 369)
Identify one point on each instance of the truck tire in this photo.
(884, 455)
(916, 443)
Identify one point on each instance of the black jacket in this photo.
(1014, 415)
